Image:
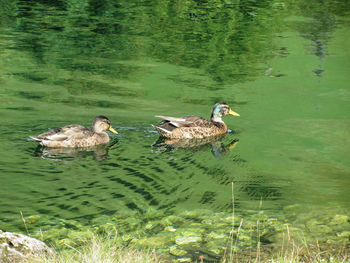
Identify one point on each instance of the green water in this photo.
(284, 66)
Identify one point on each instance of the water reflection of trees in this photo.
(226, 40)
(320, 24)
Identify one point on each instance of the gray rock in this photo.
(17, 247)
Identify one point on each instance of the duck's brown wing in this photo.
(186, 121)
(64, 133)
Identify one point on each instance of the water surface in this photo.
(282, 65)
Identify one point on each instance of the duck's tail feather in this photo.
(161, 130)
(35, 138)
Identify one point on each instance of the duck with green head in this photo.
(76, 135)
(195, 126)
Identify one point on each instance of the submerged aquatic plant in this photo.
(199, 235)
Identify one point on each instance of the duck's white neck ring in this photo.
(216, 119)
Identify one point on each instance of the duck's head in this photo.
(220, 110)
(102, 123)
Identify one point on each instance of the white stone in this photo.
(17, 247)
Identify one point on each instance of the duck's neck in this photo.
(216, 118)
(96, 129)
(218, 122)
(103, 135)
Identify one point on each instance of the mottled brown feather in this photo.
(194, 126)
(76, 135)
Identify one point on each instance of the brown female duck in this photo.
(195, 126)
(76, 135)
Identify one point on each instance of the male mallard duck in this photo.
(194, 126)
(76, 135)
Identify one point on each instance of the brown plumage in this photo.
(195, 126)
(76, 135)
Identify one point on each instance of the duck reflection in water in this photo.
(218, 147)
(98, 152)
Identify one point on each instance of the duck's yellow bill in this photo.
(231, 112)
(112, 130)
